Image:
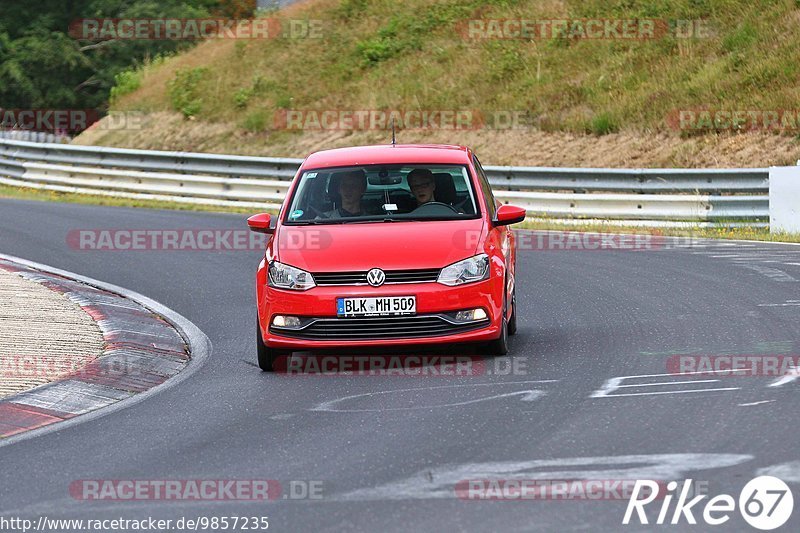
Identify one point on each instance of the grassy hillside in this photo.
(583, 97)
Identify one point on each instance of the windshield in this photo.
(382, 193)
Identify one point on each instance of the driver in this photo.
(352, 186)
(422, 184)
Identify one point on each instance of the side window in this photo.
(491, 204)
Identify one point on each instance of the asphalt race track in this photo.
(387, 460)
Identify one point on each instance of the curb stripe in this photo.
(146, 344)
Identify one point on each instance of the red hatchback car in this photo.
(381, 246)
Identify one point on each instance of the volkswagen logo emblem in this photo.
(376, 277)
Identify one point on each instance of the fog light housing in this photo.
(287, 322)
(471, 315)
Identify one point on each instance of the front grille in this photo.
(360, 278)
(400, 327)
(339, 278)
(412, 276)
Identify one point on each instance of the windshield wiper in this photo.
(368, 220)
(322, 221)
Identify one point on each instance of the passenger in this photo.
(422, 184)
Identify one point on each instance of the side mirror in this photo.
(508, 214)
(260, 223)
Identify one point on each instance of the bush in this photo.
(125, 82)
(603, 124)
(256, 121)
(242, 97)
(183, 91)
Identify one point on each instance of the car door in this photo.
(502, 235)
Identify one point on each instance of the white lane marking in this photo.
(783, 380)
(747, 256)
(790, 376)
(762, 243)
(772, 273)
(760, 259)
(755, 403)
(442, 482)
(685, 391)
(793, 264)
(531, 396)
(615, 383)
(666, 383)
(785, 471)
(610, 385)
(787, 304)
(527, 395)
(686, 373)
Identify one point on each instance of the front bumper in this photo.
(408, 327)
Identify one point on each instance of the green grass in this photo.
(756, 234)
(739, 233)
(410, 55)
(22, 193)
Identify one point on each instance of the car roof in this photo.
(389, 154)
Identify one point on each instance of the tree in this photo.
(42, 66)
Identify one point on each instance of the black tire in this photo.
(266, 355)
(512, 321)
(499, 346)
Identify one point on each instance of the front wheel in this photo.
(499, 346)
(266, 355)
(512, 321)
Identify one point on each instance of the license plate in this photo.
(378, 306)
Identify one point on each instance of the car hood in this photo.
(386, 245)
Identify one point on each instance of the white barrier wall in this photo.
(784, 199)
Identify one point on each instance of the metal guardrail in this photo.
(662, 196)
(34, 136)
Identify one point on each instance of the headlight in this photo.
(466, 271)
(288, 277)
